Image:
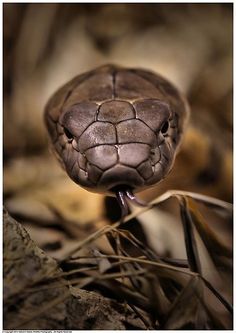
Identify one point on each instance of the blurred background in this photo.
(45, 45)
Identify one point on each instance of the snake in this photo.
(117, 130)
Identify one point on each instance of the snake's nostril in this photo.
(82, 161)
(94, 173)
(155, 155)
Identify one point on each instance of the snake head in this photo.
(118, 128)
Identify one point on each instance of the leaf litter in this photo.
(164, 292)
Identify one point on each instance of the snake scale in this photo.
(117, 130)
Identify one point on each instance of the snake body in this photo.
(116, 129)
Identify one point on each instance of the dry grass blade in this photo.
(158, 265)
(143, 319)
(115, 239)
(213, 319)
(205, 199)
(166, 287)
(124, 293)
(56, 282)
(158, 301)
(216, 203)
(190, 243)
(143, 248)
(90, 239)
(218, 295)
(89, 277)
(164, 270)
(176, 262)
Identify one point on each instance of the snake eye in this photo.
(70, 137)
(165, 127)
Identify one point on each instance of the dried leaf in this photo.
(210, 239)
(184, 308)
(158, 300)
(103, 263)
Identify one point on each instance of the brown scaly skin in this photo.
(117, 129)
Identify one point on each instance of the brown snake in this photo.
(117, 130)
